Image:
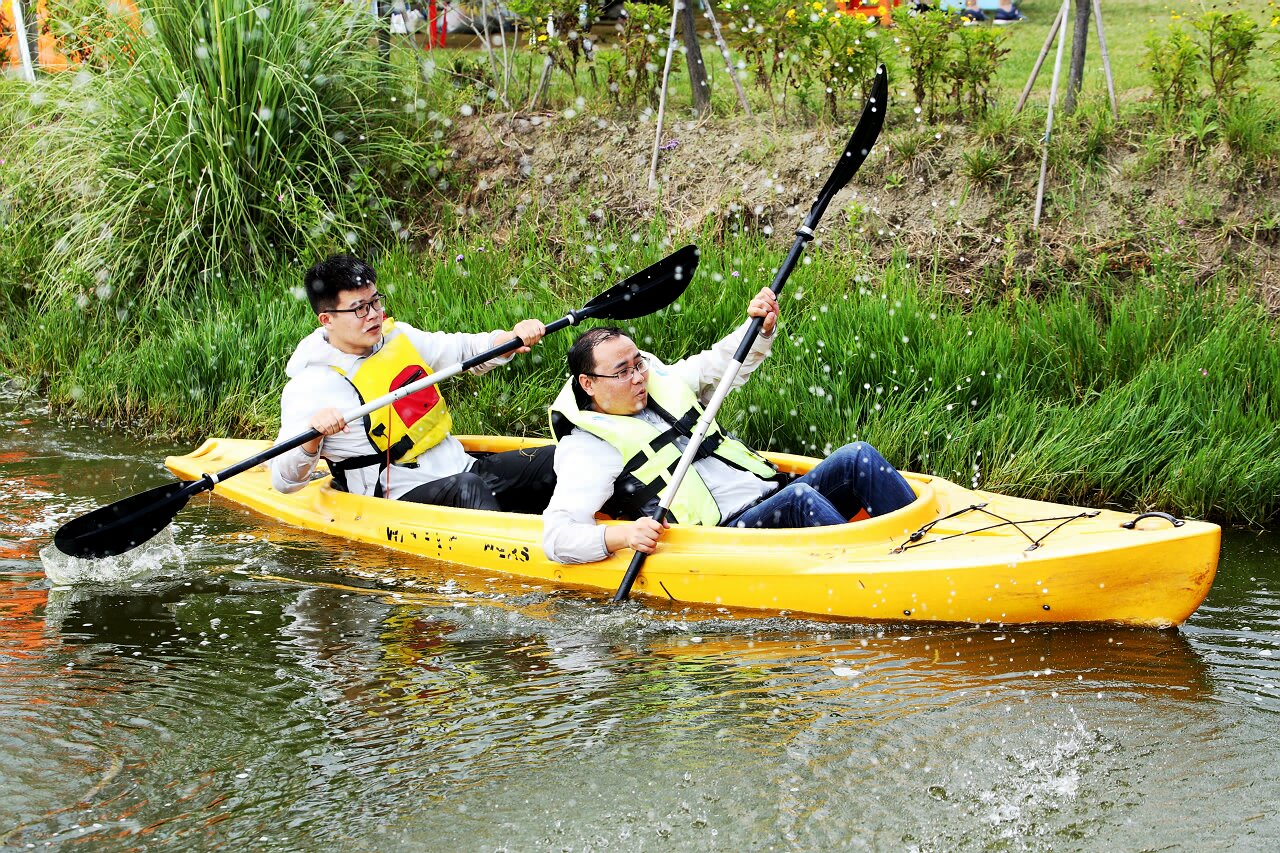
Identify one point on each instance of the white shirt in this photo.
(587, 467)
(314, 385)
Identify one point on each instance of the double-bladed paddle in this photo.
(126, 524)
(864, 136)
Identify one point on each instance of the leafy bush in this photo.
(560, 30)
(976, 53)
(640, 36)
(925, 40)
(836, 51)
(1227, 43)
(754, 30)
(239, 133)
(1173, 62)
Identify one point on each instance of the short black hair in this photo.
(582, 358)
(336, 273)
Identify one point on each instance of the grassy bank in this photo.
(1152, 392)
(1124, 353)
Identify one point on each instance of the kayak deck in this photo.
(976, 557)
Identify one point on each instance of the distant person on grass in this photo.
(1007, 13)
(404, 451)
(622, 422)
(972, 13)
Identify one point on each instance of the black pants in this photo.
(514, 481)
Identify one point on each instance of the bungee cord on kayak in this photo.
(913, 541)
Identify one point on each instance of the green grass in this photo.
(1077, 375)
(1146, 393)
(222, 136)
(1127, 24)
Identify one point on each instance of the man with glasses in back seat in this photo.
(622, 422)
(404, 451)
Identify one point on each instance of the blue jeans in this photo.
(855, 477)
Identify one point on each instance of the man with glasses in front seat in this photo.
(404, 451)
(622, 422)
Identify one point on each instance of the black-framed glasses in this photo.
(640, 368)
(361, 310)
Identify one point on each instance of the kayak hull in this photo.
(1058, 564)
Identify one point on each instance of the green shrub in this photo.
(1173, 63)
(837, 52)
(976, 54)
(237, 134)
(754, 30)
(925, 40)
(560, 30)
(640, 35)
(1227, 43)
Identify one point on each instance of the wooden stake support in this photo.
(1059, 30)
(1053, 98)
(662, 97)
(728, 59)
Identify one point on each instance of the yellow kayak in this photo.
(954, 555)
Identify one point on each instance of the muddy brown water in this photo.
(260, 688)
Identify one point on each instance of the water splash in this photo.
(159, 553)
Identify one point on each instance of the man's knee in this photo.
(862, 456)
(805, 497)
(472, 492)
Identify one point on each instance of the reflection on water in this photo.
(272, 689)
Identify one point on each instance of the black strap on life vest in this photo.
(684, 427)
(340, 469)
(710, 443)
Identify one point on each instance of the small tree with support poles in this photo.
(1058, 30)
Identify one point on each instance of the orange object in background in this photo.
(881, 10)
(8, 38)
(51, 55)
(50, 58)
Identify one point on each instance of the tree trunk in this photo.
(693, 56)
(544, 83)
(384, 28)
(1079, 45)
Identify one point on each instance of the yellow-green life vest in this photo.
(650, 455)
(403, 430)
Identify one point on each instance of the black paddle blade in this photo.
(124, 525)
(652, 289)
(855, 153)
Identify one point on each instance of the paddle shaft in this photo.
(121, 526)
(803, 235)
(208, 481)
(623, 301)
(851, 159)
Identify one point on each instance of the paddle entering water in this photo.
(864, 136)
(119, 527)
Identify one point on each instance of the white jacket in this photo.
(314, 385)
(587, 466)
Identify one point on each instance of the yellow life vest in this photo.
(410, 425)
(650, 455)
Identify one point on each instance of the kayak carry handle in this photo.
(1133, 525)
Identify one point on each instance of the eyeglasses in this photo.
(640, 368)
(362, 309)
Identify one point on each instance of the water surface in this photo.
(263, 688)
